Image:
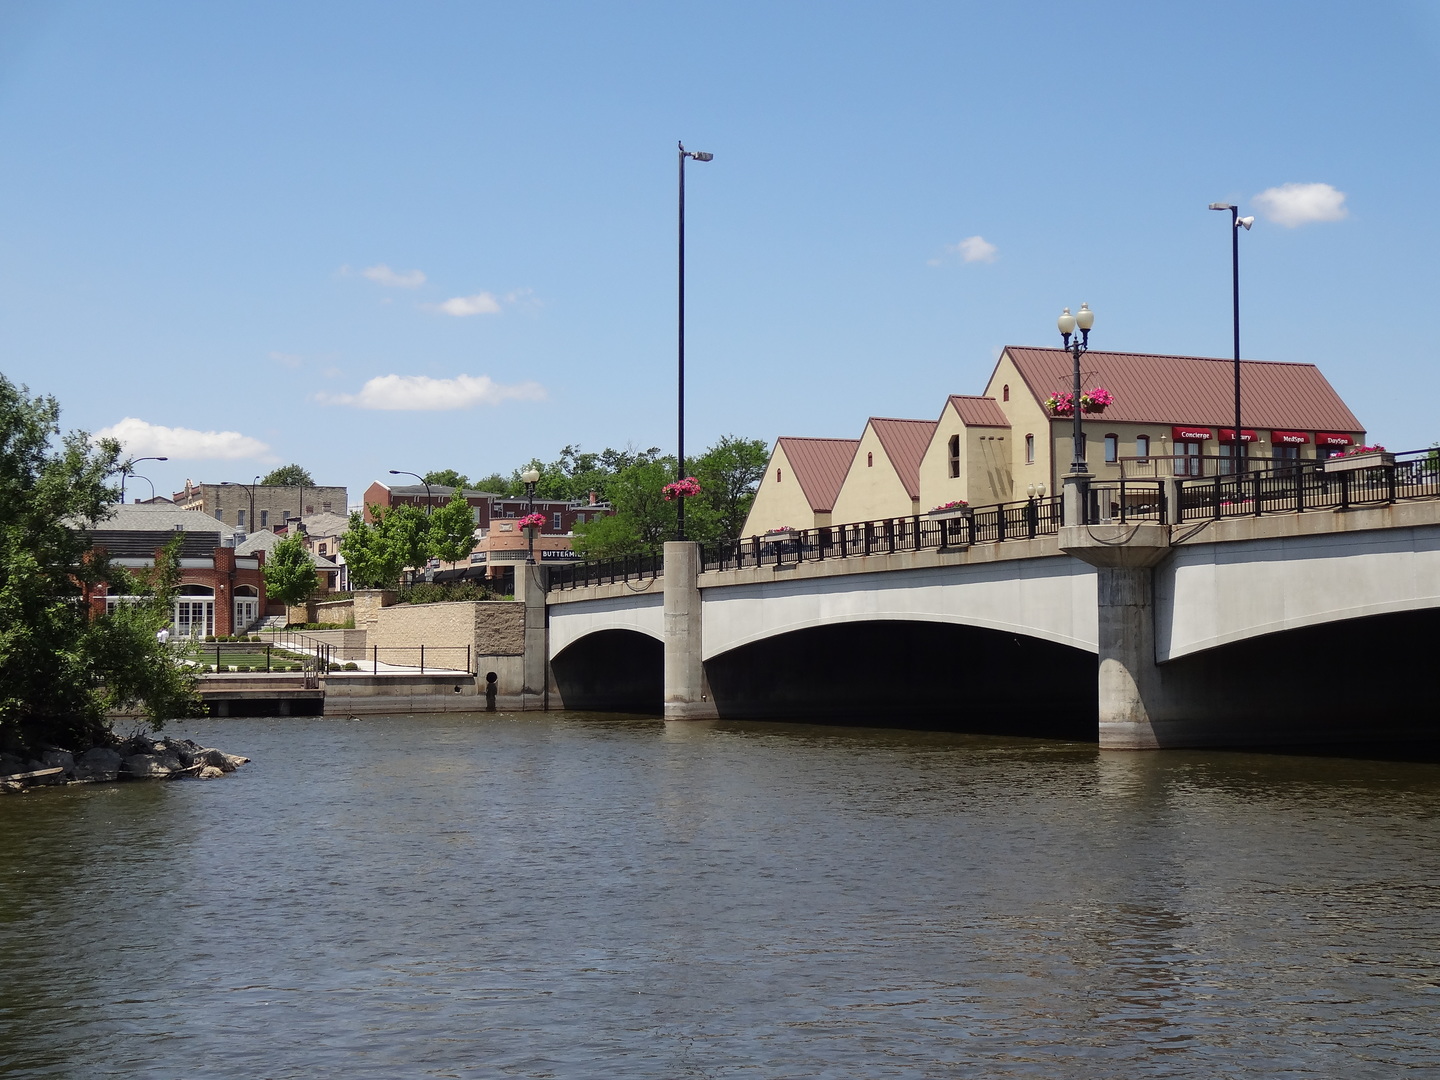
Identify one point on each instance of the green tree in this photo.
(643, 519)
(376, 553)
(495, 484)
(447, 478)
(289, 571)
(452, 530)
(288, 476)
(60, 669)
(729, 474)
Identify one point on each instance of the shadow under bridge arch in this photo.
(894, 673)
(611, 671)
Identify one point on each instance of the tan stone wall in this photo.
(335, 611)
(989, 466)
(490, 627)
(1027, 417)
(367, 605)
(937, 486)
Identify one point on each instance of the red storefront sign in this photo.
(1288, 438)
(1333, 438)
(1227, 434)
(1180, 433)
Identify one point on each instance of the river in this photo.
(571, 896)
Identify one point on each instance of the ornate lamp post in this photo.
(129, 467)
(1236, 224)
(698, 155)
(530, 477)
(1077, 480)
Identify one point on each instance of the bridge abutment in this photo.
(686, 695)
(534, 694)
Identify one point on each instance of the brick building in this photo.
(232, 503)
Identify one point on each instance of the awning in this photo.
(1333, 438)
(1181, 433)
(1227, 434)
(1289, 438)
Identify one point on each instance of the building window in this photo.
(869, 460)
(1029, 449)
(1005, 393)
(1112, 448)
(559, 521)
(309, 509)
(322, 548)
(475, 512)
(779, 476)
(1142, 447)
(954, 456)
(219, 515)
(1187, 458)
(264, 518)
(325, 506)
(239, 517)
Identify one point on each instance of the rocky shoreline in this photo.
(135, 758)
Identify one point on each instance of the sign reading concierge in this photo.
(1181, 433)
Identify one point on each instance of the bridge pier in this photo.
(1135, 710)
(534, 694)
(687, 696)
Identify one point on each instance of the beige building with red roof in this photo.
(1173, 415)
(800, 484)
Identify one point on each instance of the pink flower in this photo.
(681, 489)
(532, 521)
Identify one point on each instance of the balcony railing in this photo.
(625, 568)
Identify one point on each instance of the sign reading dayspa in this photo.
(1288, 438)
(1333, 438)
(1181, 433)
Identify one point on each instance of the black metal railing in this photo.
(1415, 474)
(624, 568)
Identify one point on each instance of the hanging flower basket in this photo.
(1095, 401)
(681, 489)
(532, 521)
(1060, 404)
(951, 511)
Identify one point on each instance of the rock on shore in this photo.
(137, 758)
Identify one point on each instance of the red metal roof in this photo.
(819, 466)
(905, 443)
(979, 411)
(1193, 389)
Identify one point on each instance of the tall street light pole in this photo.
(129, 467)
(402, 472)
(530, 477)
(698, 155)
(1077, 481)
(1236, 224)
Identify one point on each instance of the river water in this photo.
(571, 896)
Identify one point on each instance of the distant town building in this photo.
(273, 506)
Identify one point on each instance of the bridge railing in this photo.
(1413, 474)
(624, 568)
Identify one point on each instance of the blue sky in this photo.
(249, 233)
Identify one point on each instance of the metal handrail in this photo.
(621, 569)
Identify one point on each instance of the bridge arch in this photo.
(611, 671)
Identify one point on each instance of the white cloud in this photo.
(421, 393)
(975, 249)
(482, 303)
(394, 279)
(1299, 204)
(142, 439)
(292, 360)
(971, 249)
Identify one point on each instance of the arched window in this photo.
(778, 476)
(954, 456)
(1029, 449)
(869, 460)
(1005, 393)
(1142, 446)
(1112, 448)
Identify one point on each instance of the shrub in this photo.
(351, 666)
(209, 637)
(436, 593)
(255, 638)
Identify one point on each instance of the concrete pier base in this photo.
(687, 696)
(535, 692)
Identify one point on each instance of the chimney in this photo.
(592, 498)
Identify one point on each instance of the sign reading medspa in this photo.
(1181, 433)
(1288, 438)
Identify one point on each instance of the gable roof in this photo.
(977, 411)
(819, 466)
(1197, 390)
(266, 541)
(905, 443)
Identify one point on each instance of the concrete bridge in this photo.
(1301, 627)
